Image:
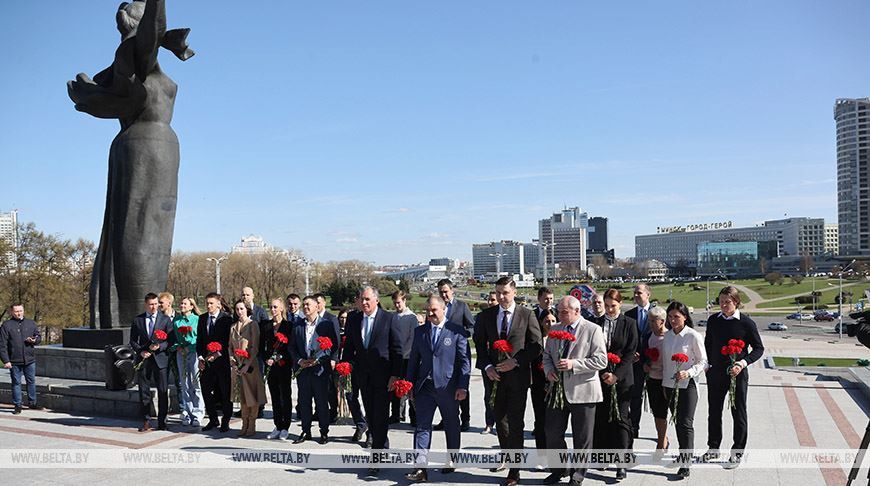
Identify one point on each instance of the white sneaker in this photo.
(284, 435)
(195, 423)
(274, 434)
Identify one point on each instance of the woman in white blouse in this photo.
(658, 402)
(683, 339)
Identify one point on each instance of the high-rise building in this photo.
(563, 237)
(9, 234)
(597, 234)
(255, 245)
(832, 239)
(504, 256)
(853, 174)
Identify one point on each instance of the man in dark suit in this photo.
(458, 313)
(316, 368)
(353, 396)
(214, 326)
(324, 314)
(620, 334)
(374, 350)
(439, 366)
(153, 360)
(491, 301)
(545, 302)
(640, 314)
(518, 326)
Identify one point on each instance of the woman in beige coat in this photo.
(248, 387)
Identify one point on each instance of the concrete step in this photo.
(85, 397)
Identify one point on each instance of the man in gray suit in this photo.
(576, 365)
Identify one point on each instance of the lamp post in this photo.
(217, 271)
(840, 301)
(544, 246)
(306, 263)
(497, 264)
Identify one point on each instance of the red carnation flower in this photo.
(214, 347)
(185, 330)
(281, 338)
(680, 358)
(160, 335)
(741, 344)
(540, 366)
(732, 342)
(503, 346)
(281, 362)
(613, 358)
(402, 387)
(344, 368)
(562, 336)
(652, 354)
(242, 353)
(324, 342)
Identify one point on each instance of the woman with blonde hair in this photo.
(277, 333)
(248, 387)
(189, 395)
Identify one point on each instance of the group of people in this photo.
(590, 365)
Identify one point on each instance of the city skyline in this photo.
(398, 133)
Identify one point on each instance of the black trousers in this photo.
(614, 434)
(216, 386)
(353, 405)
(509, 410)
(487, 392)
(635, 406)
(313, 387)
(396, 411)
(685, 410)
(150, 375)
(376, 401)
(717, 394)
(281, 393)
(582, 429)
(539, 392)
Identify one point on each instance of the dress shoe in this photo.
(17, 410)
(620, 473)
(274, 433)
(302, 437)
(711, 455)
(553, 478)
(510, 482)
(34, 406)
(683, 472)
(283, 434)
(260, 413)
(368, 441)
(225, 426)
(324, 438)
(733, 461)
(238, 414)
(448, 470)
(576, 481)
(486, 430)
(210, 425)
(161, 425)
(419, 475)
(438, 426)
(465, 427)
(373, 472)
(357, 435)
(146, 426)
(394, 420)
(501, 467)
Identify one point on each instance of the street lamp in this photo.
(840, 300)
(544, 246)
(497, 264)
(307, 265)
(217, 271)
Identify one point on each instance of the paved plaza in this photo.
(788, 409)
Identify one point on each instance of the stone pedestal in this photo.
(87, 338)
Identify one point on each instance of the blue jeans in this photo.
(29, 372)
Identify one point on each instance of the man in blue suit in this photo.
(438, 367)
(315, 368)
(458, 313)
(154, 360)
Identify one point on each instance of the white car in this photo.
(777, 326)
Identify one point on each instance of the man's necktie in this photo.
(567, 343)
(150, 325)
(368, 331)
(435, 330)
(449, 307)
(642, 318)
(504, 326)
(210, 324)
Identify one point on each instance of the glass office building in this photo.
(735, 259)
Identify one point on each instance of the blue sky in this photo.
(396, 131)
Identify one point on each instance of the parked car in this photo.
(702, 323)
(777, 326)
(793, 315)
(823, 317)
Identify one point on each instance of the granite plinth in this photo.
(87, 338)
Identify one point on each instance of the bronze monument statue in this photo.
(136, 240)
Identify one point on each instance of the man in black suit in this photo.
(374, 349)
(315, 368)
(620, 335)
(545, 302)
(640, 314)
(324, 314)
(153, 360)
(214, 326)
(518, 326)
(458, 313)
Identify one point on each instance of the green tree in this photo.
(773, 278)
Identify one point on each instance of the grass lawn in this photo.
(788, 287)
(844, 362)
(827, 298)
